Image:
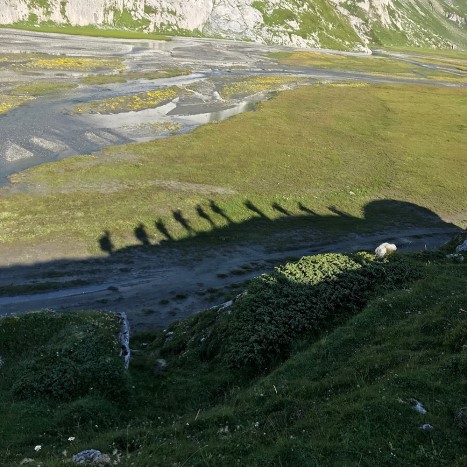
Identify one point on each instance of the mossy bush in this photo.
(88, 412)
(297, 301)
(63, 356)
(304, 298)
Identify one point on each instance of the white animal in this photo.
(385, 249)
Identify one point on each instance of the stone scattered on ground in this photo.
(458, 258)
(91, 457)
(461, 418)
(418, 406)
(462, 247)
(160, 365)
(427, 427)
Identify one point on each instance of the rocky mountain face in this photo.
(338, 24)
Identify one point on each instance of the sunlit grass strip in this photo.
(125, 77)
(88, 31)
(257, 84)
(135, 102)
(376, 66)
(81, 64)
(345, 62)
(41, 88)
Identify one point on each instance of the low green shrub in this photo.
(304, 297)
(68, 356)
(88, 412)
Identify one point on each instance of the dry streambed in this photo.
(61, 96)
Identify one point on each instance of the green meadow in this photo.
(305, 150)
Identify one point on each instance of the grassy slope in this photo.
(416, 24)
(317, 18)
(341, 399)
(58, 354)
(325, 141)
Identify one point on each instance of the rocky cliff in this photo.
(341, 24)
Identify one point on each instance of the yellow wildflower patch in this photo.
(82, 64)
(128, 103)
(257, 84)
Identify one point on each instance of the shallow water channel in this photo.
(49, 129)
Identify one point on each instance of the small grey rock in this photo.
(92, 457)
(461, 419)
(160, 365)
(418, 406)
(462, 247)
(427, 427)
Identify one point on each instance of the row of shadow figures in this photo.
(377, 215)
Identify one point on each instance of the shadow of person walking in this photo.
(218, 210)
(160, 226)
(178, 216)
(204, 215)
(105, 243)
(142, 235)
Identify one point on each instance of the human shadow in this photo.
(204, 215)
(185, 223)
(105, 243)
(218, 210)
(305, 209)
(277, 207)
(160, 226)
(253, 208)
(141, 234)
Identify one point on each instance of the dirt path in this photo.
(156, 289)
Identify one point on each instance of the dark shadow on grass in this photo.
(204, 215)
(142, 235)
(249, 205)
(105, 243)
(293, 234)
(185, 223)
(306, 210)
(160, 226)
(277, 207)
(218, 210)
